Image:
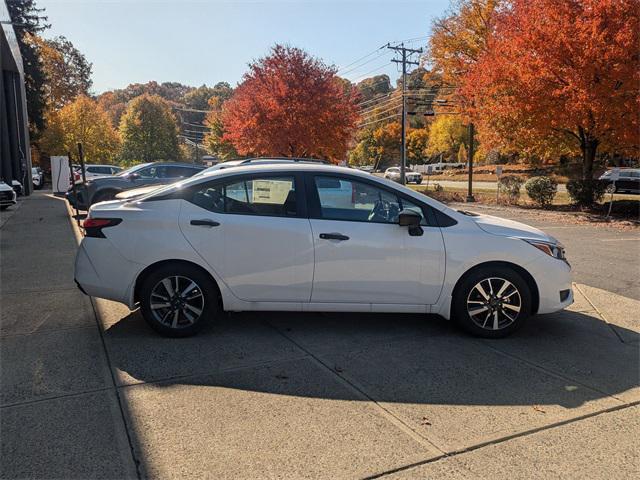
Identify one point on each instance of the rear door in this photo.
(362, 255)
(253, 231)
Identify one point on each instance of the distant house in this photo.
(15, 154)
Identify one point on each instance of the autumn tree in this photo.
(81, 121)
(387, 144)
(290, 104)
(149, 131)
(67, 70)
(561, 69)
(460, 38)
(213, 140)
(417, 145)
(447, 133)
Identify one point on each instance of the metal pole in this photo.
(73, 187)
(404, 117)
(81, 156)
(470, 197)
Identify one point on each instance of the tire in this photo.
(4, 207)
(611, 188)
(180, 317)
(104, 196)
(418, 182)
(491, 312)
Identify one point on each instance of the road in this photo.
(601, 256)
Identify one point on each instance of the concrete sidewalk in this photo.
(88, 391)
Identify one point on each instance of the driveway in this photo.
(89, 391)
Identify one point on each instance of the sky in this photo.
(197, 42)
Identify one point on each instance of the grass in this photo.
(625, 207)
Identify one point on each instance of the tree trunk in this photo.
(589, 147)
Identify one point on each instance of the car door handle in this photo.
(333, 236)
(205, 223)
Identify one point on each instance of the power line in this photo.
(379, 120)
(361, 58)
(344, 73)
(382, 105)
(390, 109)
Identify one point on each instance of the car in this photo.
(37, 178)
(137, 192)
(366, 168)
(17, 187)
(93, 170)
(7, 196)
(269, 238)
(100, 189)
(628, 180)
(393, 173)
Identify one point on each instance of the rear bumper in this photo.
(101, 271)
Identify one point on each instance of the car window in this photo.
(269, 196)
(173, 171)
(149, 172)
(359, 202)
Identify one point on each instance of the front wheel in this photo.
(177, 300)
(611, 188)
(492, 302)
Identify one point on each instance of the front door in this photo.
(250, 231)
(362, 255)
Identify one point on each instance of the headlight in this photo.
(555, 250)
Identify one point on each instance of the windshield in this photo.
(133, 169)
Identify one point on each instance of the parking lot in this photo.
(89, 391)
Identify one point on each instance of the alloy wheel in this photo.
(177, 302)
(494, 303)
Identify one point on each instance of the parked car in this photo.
(37, 177)
(269, 238)
(7, 196)
(92, 171)
(393, 173)
(366, 168)
(100, 189)
(17, 187)
(628, 180)
(137, 192)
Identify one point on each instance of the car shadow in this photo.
(568, 358)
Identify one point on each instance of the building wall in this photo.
(15, 153)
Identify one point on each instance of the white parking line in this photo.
(619, 239)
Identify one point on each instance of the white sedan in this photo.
(393, 173)
(305, 237)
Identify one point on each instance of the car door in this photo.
(362, 255)
(253, 231)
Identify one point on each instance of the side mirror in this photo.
(411, 219)
(133, 176)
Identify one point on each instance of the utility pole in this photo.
(403, 148)
(470, 197)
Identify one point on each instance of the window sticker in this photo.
(271, 191)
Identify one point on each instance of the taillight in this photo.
(93, 226)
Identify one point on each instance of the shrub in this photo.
(586, 192)
(510, 184)
(541, 190)
(437, 187)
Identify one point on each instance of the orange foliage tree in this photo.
(290, 104)
(560, 72)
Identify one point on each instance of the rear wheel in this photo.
(611, 188)
(492, 302)
(177, 300)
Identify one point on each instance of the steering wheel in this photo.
(380, 212)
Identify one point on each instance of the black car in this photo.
(100, 189)
(628, 180)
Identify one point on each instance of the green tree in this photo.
(29, 23)
(213, 141)
(149, 131)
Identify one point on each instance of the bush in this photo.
(541, 190)
(510, 184)
(586, 192)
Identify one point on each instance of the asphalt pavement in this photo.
(87, 390)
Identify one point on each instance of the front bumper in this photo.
(553, 279)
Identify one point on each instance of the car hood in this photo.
(5, 188)
(510, 228)
(136, 192)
